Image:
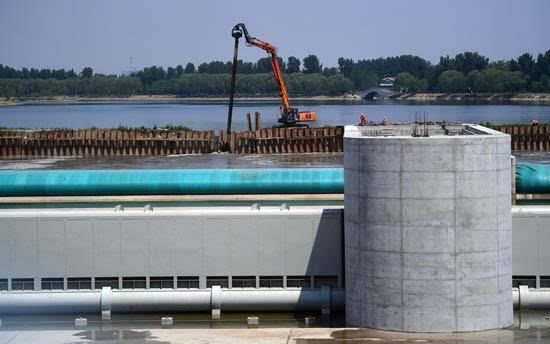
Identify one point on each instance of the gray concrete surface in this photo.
(531, 238)
(528, 327)
(428, 241)
(201, 242)
(270, 335)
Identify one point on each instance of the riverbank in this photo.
(475, 98)
(161, 99)
(404, 98)
(420, 98)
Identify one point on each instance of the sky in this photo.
(105, 34)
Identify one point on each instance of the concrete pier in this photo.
(428, 228)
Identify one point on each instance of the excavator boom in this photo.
(289, 116)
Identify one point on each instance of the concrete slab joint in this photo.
(427, 223)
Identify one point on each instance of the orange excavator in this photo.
(288, 116)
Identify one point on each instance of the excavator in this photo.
(288, 116)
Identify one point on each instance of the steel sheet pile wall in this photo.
(526, 137)
(428, 232)
(162, 142)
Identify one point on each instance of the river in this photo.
(205, 116)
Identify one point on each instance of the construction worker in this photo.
(363, 119)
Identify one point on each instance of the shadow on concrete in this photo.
(326, 262)
(376, 336)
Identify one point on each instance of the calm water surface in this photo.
(214, 116)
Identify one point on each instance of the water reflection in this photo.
(118, 336)
(181, 321)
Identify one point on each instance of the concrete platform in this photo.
(270, 335)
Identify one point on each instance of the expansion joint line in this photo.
(401, 234)
(454, 229)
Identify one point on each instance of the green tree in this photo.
(527, 65)
(363, 78)
(312, 65)
(43, 74)
(171, 73)
(477, 81)
(330, 71)
(338, 84)
(87, 72)
(516, 81)
(245, 67)
(345, 66)
(179, 71)
(543, 64)
(189, 68)
(452, 81)
(410, 83)
(468, 61)
(505, 81)
(545, 83)
(293, 65)
(263, 65)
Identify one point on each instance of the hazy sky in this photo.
(104, 34)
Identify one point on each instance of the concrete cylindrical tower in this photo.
(428, 228)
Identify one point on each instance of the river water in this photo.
(201, 116)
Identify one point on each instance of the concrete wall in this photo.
(170, 242)
(428, 232)
(531, 238)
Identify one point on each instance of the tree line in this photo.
(466, 72)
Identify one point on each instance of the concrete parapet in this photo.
(428, 229)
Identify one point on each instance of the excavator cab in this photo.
(294, 118)
(307, 116)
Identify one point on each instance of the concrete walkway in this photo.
(268, 335)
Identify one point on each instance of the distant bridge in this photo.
(373, 91)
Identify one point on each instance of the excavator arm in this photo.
(272, 51)
(289, 116)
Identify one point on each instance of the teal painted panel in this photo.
(172, 182)
(532, 178)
